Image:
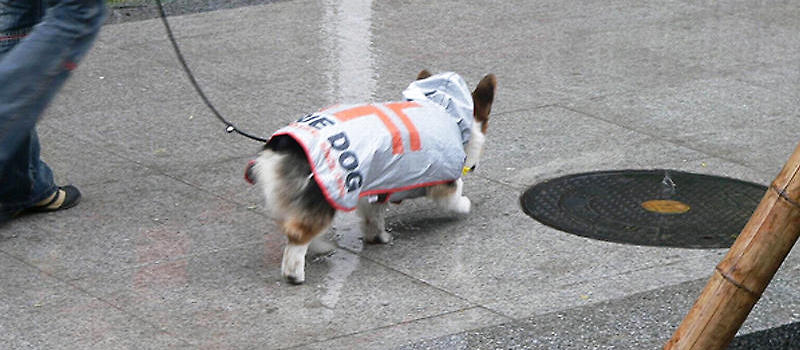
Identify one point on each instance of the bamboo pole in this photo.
(747, 269)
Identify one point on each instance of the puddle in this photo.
(348, 26)
(351, 76)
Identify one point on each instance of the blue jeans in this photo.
(41, 41)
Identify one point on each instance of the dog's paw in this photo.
(381, 237)
(297, 276)
(462, 206)
(294, 279)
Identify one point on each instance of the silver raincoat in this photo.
(373, 149)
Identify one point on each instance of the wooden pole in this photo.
(747, 269)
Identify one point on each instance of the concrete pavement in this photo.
(171, 248)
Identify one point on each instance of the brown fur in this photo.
(423, 74)
(440, 191)
(301, 230)
(482, 99)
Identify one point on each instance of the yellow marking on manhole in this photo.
(666, 206)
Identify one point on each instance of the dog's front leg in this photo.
(300, 233)
(449, 197)
(293, 265)
(373, 223)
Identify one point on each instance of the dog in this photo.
(348, 157)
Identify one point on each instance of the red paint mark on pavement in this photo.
(156, 248)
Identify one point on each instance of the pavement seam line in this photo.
(524, 109)
(160, 172)
(102, 300)
(522, 320)
(211, 251)
(426, 283)
(394, 325)
(679, 144)
(652, 266)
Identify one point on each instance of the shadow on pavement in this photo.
(784, 337)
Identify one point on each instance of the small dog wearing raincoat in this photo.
(348, 157)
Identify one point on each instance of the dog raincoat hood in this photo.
(449, 91)
(385, 148)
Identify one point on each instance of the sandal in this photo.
(65, 197)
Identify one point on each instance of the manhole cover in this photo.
(646, 207)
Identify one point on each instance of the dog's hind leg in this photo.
(300, 233)
(449, 197)
(320, 246)
(373, 222)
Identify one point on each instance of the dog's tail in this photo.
(251, 177)
(288, 184)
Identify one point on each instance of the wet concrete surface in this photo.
(638, 321)
(170, 248)
(122, 11)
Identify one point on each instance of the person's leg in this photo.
(17, 19)
(35, 63)
(27, 180)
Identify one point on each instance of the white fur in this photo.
(474, 147)
(294, 262)
(373, 222)
(452, 199)
(265, 170)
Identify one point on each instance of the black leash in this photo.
(229, 126)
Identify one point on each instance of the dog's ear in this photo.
(482, 99)
(423, 74)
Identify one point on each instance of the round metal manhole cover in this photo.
(646, 207)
